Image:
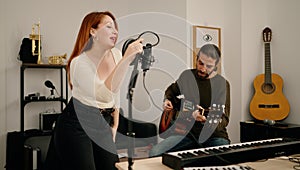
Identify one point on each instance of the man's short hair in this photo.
(210, 50)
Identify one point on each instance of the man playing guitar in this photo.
(196, 90)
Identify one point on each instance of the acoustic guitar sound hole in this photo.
(268, 88)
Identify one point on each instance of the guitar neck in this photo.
(268, 73)
(190, 106)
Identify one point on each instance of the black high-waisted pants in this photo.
(82, 140)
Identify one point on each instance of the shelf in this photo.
(36, 132)
(63, 99)
(29, 65)
(46, 100)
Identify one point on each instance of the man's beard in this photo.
(202, 75)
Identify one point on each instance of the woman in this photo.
(85, 132)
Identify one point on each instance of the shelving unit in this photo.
(64, 94)
(22, 144)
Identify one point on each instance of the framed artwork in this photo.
(205, 35)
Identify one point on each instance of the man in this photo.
(197, 90)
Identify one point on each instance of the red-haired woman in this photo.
(84, 134)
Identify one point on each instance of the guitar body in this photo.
(166, 119)
(269, 101)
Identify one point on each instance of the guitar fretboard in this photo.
(268, 73)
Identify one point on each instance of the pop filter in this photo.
(126, 43)
(131, 40)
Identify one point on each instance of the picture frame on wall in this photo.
(205, 35)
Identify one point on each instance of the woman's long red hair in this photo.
(84, 40)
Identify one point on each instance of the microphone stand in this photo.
(130, 132)
(52, 96)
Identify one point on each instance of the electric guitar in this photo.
(268, 101)
(181, 122)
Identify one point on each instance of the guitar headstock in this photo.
(215, 114)
(267, 34)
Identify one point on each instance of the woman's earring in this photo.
(95, 38)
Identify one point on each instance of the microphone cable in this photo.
(151, 32)
(147, 91)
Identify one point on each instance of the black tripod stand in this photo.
(130, 132)
(146, 60)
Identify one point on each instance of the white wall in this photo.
(281, 17)
(2, 86)
(241, 22)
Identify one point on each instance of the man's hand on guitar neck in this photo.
(198, 114)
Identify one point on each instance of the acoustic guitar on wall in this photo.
(268, 101)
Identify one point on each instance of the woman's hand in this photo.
(133, 49)
(116, 77)
(114, 128)
(114, 133)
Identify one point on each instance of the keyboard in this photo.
(232, 154)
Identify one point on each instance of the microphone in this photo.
(49, 84)
(147, 57)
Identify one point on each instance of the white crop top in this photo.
(87, 87)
